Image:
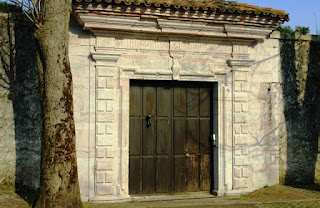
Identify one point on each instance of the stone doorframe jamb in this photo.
(239, 108)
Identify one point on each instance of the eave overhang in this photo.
(168, 20)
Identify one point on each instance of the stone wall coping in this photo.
(294, 36)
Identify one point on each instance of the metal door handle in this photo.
(148, 121)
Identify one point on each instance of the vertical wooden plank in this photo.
(192, 173)
(149, 101)
(179, 102)
(204, 135)
(205, 178)
(179, 136)
(205, 173)
(134, 176)
(163, 175)
(163, 136)
(179, 174)
(135, 136)
(192, 101)
(204, 101)
(148, 175)
(135, 101)
(192, 135)
(149, 137)
(164, 104)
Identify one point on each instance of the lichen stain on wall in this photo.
(7, 135)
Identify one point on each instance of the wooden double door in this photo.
(169, 148)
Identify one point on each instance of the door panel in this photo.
(180, 174)
(135, 101)
(163, 175)
(205, 172)
(135, 175)
(163, 136)
(149, 101)
(179, 136)
(149, 137)
(148, 175)
(204, 136)
(179, 101)
(135, 136)
(192, 102)
(192, 173)
(164, 104)
(192, 135)
(172, 154)
(205, 102)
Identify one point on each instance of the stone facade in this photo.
(107, 51)
(248, 114)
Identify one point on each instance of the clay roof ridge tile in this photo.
(214, 5)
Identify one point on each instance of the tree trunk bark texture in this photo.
(59, 177)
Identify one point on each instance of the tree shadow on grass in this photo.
(312, 187)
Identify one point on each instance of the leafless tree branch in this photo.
(31, 8)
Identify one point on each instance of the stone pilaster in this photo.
(241, 168)
(106, 122)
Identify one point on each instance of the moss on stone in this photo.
(8, 183)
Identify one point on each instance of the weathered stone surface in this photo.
(300, 76)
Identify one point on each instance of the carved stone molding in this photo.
(240, 63)
(107, 58)
(158, 25)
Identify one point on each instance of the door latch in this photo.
(148, 119)
(213, 139)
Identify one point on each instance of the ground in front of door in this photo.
(269, 197)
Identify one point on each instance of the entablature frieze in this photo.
(158, 25)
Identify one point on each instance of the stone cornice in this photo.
(192, 23)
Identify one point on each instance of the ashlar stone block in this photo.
(240, 139)
(100, 153)
(244, 129)
(104, 189)
(240, 118)
(237, 86)
(109, 177)
(100, 177)
(105, 164)
(241, 183)
(240, 76)
(107, 140)
(237, 172)
(105, 94)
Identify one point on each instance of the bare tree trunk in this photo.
(59, 177)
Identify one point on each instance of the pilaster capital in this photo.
(109, 58)
(240, 64)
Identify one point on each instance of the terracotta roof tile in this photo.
(214, 5)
